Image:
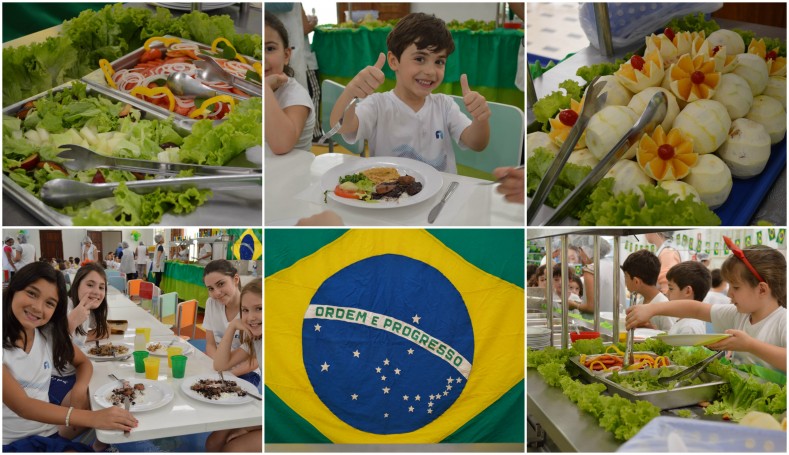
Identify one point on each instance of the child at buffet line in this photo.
(250, 326)
(757, 318)
(223, 306)
(410, 121)
(539, 280)
(290, 117)
(641, 270)
(35, 344)
(688, 280)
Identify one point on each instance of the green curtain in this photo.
(186, 280)
(39, 16)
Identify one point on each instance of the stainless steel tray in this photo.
(668, 399)
(130, 60)
(591, 375)
(242, 206)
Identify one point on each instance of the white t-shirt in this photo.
(28, 254)
(771, 329)
(88, 253)
(127, 261)
(715, 298)
(142, 254)
(687, 326)
(392, 128)
(293, 94)
(663, 323)
(33, 371)
(258, 346)
(205, 249)
(79, 340)
(216, 321)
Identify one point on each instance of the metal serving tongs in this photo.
(654, 114)
(631, 334)
(691, 372)
(592, 104)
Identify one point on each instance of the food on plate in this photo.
(639, 72)
(155, 347)
(539, 139)
(693, 79)
(776, 66)
(712, 179)
(639, 103)
(627, 177)
(606, 127)
(776, 88)
(666, 156)
(747, 148)
(134, 393)
(564, 122)
(706, 122)
(617, 94)
(681, 189)
(377, 184)
(771, 114)
(108, 350)
(215, 389)
(732, 40)
(735, 95)
(754, 70)
(583, 157)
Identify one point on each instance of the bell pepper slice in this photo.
(224, 40)
(108, 71)
(207, 103)
(145, 91)
(258, 68)
(616, 349)
(582, 359)
(597, 362)
(166, 41)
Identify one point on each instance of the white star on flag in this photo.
(386, 361)
(386, 415)
(438, 397)
(417, 398)
(450, 379)
(430, 404)
(354, 396)
(429, 411)
(397, 370)
(356, 353)
(410, 409)
(457, 381)
(383, 378)
(432, 397)
(386, 390)
(377, 369)
(410, 351)
(446, 393)
(449, 387)
(325, 367)
(317, 327)
(416, 319)
(405, 397)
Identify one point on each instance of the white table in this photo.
(291, 177)
(182, 415)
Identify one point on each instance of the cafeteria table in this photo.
(182, 415)
(293, 192)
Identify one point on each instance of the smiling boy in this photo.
(410, 121)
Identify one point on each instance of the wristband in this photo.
(68, 414)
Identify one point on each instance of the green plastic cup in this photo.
(179, 366)
(139, 361)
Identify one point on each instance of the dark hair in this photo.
(577, 280)
(62, 347)
(693, 274)
(76, 261)
(531, 269)
(535, 279)
(557, 271)
(426, 31)
(717, 278)
(222, 266)
(253, 287)
(99, 313)
(643, 264)
(770, 264)
(276, 24)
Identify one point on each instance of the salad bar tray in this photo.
(664, 399)
(132, 59)
(242, 203)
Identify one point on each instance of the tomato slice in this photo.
(346, 194)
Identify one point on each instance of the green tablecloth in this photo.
(490, 59)
(186, 280)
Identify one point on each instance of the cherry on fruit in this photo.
(715, 50)
(697, 77)
(772, 55)
(637, 62)
(665, 152)
(568, 117)
(669, 34)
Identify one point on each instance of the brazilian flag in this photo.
(389, 336)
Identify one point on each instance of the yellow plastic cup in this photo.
(171, 351)
(145, 331)
(152, 368)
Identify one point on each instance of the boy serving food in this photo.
(410, 121)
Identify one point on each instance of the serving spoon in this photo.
(210, 70)
(182, 84)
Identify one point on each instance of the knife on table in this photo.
(431, 217)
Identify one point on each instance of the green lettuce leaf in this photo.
(600, 69)
(694, 23)
(548, 106)
(216, 145)
(569, 177)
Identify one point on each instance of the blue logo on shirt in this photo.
(46, 365)
(439, 134)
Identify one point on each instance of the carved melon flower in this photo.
(666, 157)
(776, 66)
(694, 79)
(639, 72)
(564, 122)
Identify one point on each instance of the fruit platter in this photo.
(713, 157)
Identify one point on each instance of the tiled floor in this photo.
(553, 30)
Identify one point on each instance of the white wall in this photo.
(456, 11)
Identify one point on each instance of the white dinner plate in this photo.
(187, 383)
(692, 340)
(426, 174)
(156, 394)
(90, 345)
(643, 334)
(162, 351)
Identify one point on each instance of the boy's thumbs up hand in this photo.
(368, 79)
(476, 104)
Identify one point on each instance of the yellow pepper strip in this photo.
(106, 68)
(224, 40)
(616, 349)
(258, 68)
(167, 41)
(591, 365)
(582, 359)
(145, 91)
(207, 103)
(638, 366)
(661, 361)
